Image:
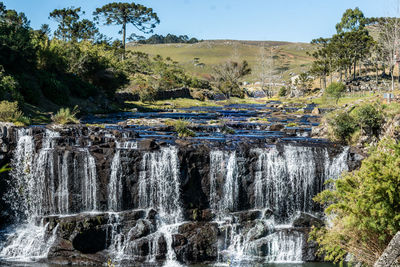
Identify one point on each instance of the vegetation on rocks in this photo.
(363, 207)
(366, 119)
(66, 116)
(181, 127)
(336, 91)
(10, 112)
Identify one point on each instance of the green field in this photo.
(288, 58)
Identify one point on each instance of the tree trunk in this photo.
(123, 39)
(354, 73)
(341, 76)
(391, 253)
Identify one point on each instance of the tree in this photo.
(352, 20)
(84, 30)
(142, 18)
(66, 18)
(227, 77)
(303, 82)
(135, 37)
(364, 207)
(389, 42)
(335, 90)
(265, 70)
(70, 27)
(322, 66)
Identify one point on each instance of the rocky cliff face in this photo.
(83, 195)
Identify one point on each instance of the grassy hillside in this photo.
(288, 57)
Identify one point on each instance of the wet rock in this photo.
(276, 127)
(90, 241)
(196, 242)
(147, 144)
(142, 228)
(306, 220)
(248, 215)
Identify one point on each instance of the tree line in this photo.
(160, 39)
(360, 44)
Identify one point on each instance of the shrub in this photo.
(54, 89)
(335, 90)
(9, 112)
(66, 116)
(282, 91)
(342, 125)
(364, 207)
(182, 128)
(370, 118)
(148, 94)
(9, 88)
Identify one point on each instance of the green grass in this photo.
(349, 98)
(290, 57)
(180, 103)
(171, 104)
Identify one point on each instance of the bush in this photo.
(283, 91)
(342, 125)
(66, 116)
(54, 89)
(364, 207)
(335, 90)
(370, 118)
(182, 128)
(9, 112)
(9, 88)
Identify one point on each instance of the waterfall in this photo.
(254, 195)
(223, 174)
(115, 184)
(40, 186)
(63, 192)
(159, 185)
(89, 192)
(29, 242)
(285, 181)
(158, 189)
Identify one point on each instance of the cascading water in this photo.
(42, 187)
(223, 170)
(285, 181)
(255, 196)
(158, 189)
(30, 240)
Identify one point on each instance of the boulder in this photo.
(303, 219)
(276, 127)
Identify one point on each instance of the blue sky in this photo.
(278, 20)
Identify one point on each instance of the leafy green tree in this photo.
(17, 50)
(336, 90)
(66, 18)
(142, 18)
(85, 30)
(352, 20)
(364, 207)
(70, 27)
(370, 118)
